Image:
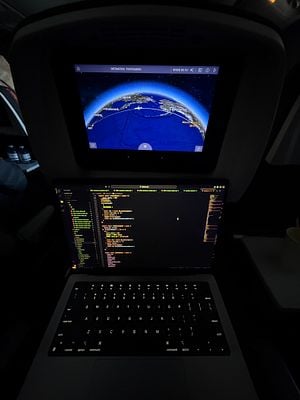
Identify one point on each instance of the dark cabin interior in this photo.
(252, 144)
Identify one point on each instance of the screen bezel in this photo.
(101, 270)
(133, 160)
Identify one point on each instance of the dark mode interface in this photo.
(150, 226)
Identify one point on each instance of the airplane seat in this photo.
(30, 234)
(188, 36)
(43, 47)
(22, 220)
(46, 48)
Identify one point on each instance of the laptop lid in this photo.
(126, 226)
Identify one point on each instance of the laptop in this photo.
(141, 315)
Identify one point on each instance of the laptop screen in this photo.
(119, 226)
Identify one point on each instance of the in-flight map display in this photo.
(146, 107)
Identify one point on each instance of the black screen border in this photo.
(98, 270)
(133, 160)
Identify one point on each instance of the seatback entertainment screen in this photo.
(157, 108)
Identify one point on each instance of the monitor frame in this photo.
(134, 160)
(100, 270)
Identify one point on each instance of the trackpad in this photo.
(140, 378)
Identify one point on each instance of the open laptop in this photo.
(142, 315)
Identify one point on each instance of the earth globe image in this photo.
(147, 121)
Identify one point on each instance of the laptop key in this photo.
(139, 318)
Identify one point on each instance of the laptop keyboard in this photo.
(140, 318)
